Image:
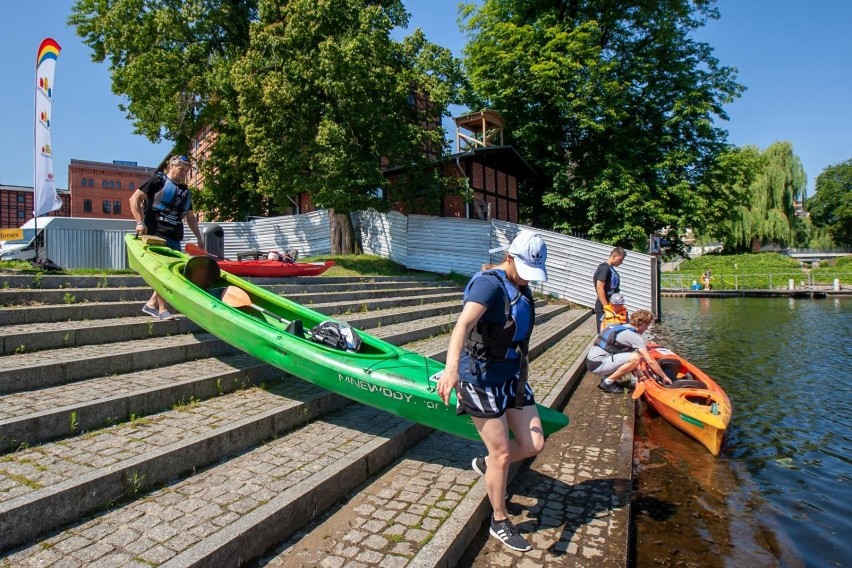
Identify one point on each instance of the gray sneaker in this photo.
(150, 311)
(478, 465)
(166, 315)
(506, 532)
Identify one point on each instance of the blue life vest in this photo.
(495, 341)
(608, 339)
(168, 206)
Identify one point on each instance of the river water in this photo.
(780, 493)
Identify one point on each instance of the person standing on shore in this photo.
(607, 282)
(487, 366)
(159, 206)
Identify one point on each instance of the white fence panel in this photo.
(310, 233)
(447, 244)
(384, 234)
(571, 265)
(86, 248)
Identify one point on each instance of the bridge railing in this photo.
(768, 281)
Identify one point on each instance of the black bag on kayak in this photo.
(336, 334)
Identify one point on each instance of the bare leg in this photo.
(495, 433)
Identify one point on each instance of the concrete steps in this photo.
(165, 450)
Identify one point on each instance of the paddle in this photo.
(238, 298)
(640, 388)
(195, 250)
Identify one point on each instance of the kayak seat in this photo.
(202, 271)
(670, 367)
(687, 385)
(297, 328)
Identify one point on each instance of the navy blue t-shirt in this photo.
(487, 290)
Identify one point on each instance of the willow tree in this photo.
(614, 103)
(327, 97)
(170, 61)
(831, 206)
(769, 216)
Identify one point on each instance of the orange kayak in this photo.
(694, 403)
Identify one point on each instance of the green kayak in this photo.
(379, 374)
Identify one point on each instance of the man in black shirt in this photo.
(607, 282)
(167, 203)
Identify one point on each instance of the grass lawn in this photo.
(742, 271)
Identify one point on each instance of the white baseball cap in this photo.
(530, 253)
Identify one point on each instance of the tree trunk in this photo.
(343, 234)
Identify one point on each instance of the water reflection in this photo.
(785, 464)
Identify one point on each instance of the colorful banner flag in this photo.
(45, 198)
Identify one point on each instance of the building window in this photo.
(87, 206)
(85, 182)
(21, 199)
(91, 182)
(105, 184)
(107, 206)
(132, 186)
(116, 207)
(20, 214)
(118, 185)
(111, 184)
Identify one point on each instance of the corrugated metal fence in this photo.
(432, 244)
(444, 245)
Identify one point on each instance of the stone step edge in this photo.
(251, 536)
(34, 511)
(261, 529)
(53, 424)
(454, 536)
(24, 518)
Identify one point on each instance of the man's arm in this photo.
(136, 210)
(192, 221)
(655, 367)
(600, 288)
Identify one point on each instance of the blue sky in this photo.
(793, 56)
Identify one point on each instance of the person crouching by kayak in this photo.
(487, 365)
(619, 349)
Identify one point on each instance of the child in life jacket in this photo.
(614, 312)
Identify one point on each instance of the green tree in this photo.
(769, 214)
(326, 96)
(295, 96)
(831, 205)
(614, 103)
(170, 60)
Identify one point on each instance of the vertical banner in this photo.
(45, 198)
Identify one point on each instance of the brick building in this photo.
(16, 205)
(102, 189)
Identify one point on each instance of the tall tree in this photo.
(769, 215)
(170, 60)
(831, 205)
(613, 102)
(326, 96)
(295, 95)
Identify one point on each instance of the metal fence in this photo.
(433, 244)
(444, 245)
(768, 281)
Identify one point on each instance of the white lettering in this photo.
(370, 387)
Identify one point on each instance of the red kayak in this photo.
(274, 268)
(256, 265)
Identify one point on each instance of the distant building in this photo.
(102, 189)
(16, 205)
(799, 206)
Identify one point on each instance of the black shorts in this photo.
(488, 401)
